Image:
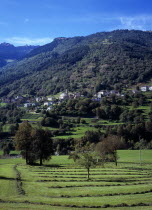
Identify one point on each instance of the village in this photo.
(36, 104)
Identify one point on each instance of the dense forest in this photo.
(86, 64)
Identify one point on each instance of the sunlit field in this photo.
(61, 184)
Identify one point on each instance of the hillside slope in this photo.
(86, 64)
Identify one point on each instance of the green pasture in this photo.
(13, 152)
(3, 104)
(77, 132)
(94, 121)
(61, 184)
(6, 206)
(133, 156)
(6, 127)
(56, 95)
(32, 117)
(148, 94)
(145, 109)
(80, 129)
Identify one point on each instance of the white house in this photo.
(144, 88)
(63, 96)
(26, 105)
(50, 98)
(47, 103)
(38, 99)
(150, 88)
(101, 93)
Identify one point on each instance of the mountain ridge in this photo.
(10, 52)
(85, 64)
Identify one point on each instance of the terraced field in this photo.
(63, 185)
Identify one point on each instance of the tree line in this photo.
(37, 144)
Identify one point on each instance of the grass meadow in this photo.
(61, 184)
(79, 129)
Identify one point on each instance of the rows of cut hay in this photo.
(66, 186)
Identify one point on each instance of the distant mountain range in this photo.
(86, 64)
(9, 52)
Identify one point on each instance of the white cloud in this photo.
(28, 41)
(137, 22)
(114, 21)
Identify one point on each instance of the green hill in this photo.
(85, 64)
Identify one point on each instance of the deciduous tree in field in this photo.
(34, 144)
(107, 148)
(41, 144)
(85, 156)
(23, 141)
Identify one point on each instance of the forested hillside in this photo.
(86, 64)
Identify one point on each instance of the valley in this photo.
(76, 123)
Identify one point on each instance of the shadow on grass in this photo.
(53, 165)
(47, 165)
(7, 178)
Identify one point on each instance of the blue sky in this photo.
(36, 22)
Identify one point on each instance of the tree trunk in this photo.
(41, 162)
(116, 162)
(88, 173)
(26, 157)
(115, 157)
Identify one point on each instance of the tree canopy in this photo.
(34, 144)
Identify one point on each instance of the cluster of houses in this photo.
(48, 102)
(107, 93)
(146, 88)
(25, 101)
(142, 89)
(39, 102)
